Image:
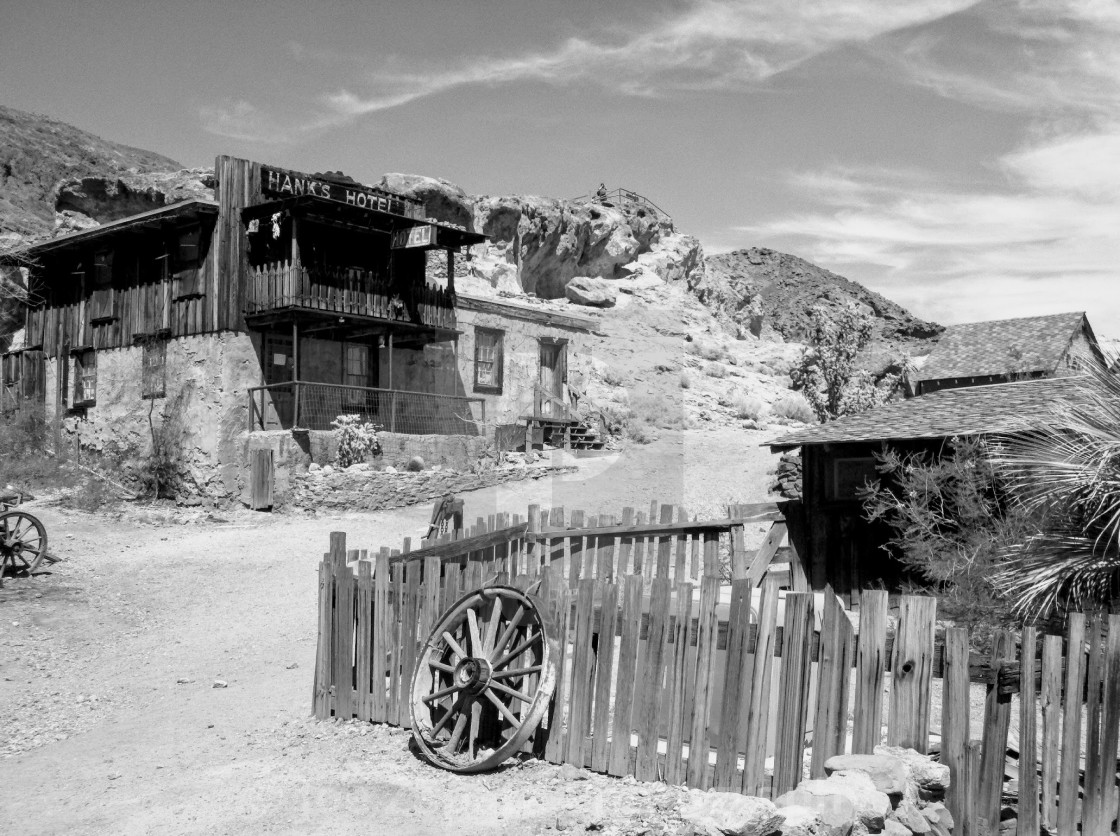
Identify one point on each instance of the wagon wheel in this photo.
(23, 541)
(484, 679)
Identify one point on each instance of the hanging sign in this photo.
(414, 236)
(275, 181)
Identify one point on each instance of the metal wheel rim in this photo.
(23, 541)
(459, 684)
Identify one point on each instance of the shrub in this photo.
(161, 475)
(24, 460)
(747, 406)
(793, 407)
(357, 439)
(950, 523)
(691, 347)
(686, 379)
(712, 352)
(717, 370)
(612, 378)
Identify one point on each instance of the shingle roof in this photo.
(1002, 347)
(971, 410)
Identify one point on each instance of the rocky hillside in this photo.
(53, 174)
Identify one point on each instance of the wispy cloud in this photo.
(1042, 228)
(243, 121)
(711, 44)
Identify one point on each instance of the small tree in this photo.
(951, 520)
(827, 374)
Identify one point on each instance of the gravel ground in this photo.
(111, 721)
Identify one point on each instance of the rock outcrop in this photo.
(591, 291)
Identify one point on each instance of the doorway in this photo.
(553, 376)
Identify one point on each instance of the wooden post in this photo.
(912, 673)
(797, 635)
(1051, 698)
(451, 273)
(1028, 744)
(1070, 777)
(969, 822)
(872, 664)
(954, 717)
(1110, 725)
(706, 636)
(997, 721)
(295, 374)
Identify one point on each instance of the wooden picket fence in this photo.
(724, 672)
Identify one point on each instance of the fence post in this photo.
(1070, 777)
(1028, 739)
(706, 636)
(797, 636)
(954, 717)
(343, 627)
(872, 664)
(834, 672)
(997, 720)
(912, 673)
(1110, 723)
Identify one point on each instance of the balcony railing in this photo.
(343, 290)
(313, 406)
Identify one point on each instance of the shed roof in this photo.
(1003, 347)
(972, 410)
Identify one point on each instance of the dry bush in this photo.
(717, 370)
(686, 379)
(794, 407)
(24, 460)
(712, 352)
(747, 406)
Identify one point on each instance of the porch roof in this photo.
(186, 210)
(973, 410)
(350, 326)
(332, 211)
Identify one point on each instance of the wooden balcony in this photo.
(286, 287)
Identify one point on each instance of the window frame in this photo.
(85, 367)
(497, 362)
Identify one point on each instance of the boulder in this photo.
(596, 293)
(888, 773)
(908, 814)
(842, 798)
(931, 778)
(893, 828)
(731, 814)
(802, 821)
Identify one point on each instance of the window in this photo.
(355, 372)
(185, 263)
(153, 383)
(101, 299)
(85, 377)
(488, 360)
(279, 362)
(849, 475)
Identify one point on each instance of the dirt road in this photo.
(110, 721)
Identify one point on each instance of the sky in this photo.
(961, 158)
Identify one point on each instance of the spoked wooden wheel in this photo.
(23, 541)
(484, 679)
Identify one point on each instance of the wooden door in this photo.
(262, 477)
(279, 367)
(552, 376)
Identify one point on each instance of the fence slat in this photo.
(343, 628)
(625, 547)
(664, 543)
(1051, 698)
(627, 664)
(1028, 744)
(575, 551)
(707, 633)
(396, 605)
(912, 673)
(1110, 728)
(580, 701)
(604, 676)
(680, 562)
(324, 667)
(735, 679)
(793, 692)
(871, 658)
(562, 610)
(410, 616)
(833, 669)
(955, 717)
(649, 699)
(381, 633)
(997, 721)
(605, 558)
(1069, 778)
(363, 654)
(678, 676)
(1093, 671)
(755, 780)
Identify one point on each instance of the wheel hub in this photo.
(473, 675)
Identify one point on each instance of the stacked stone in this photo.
(789, 476)
(895, 791)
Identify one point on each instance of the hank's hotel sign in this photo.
(290, 183)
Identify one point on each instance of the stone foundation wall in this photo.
(360, 488)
